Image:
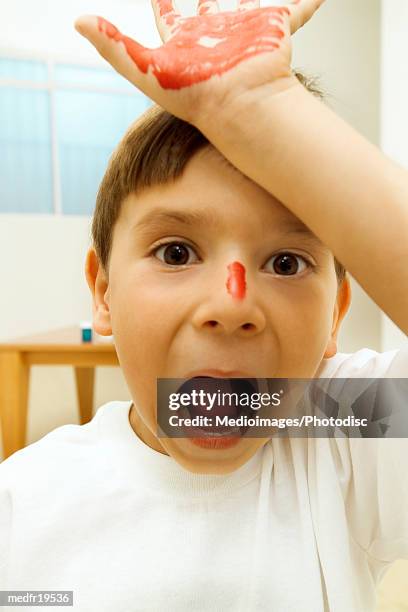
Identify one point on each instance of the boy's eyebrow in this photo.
(162, 216)
(155, 219)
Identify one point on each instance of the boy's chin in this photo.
(199, 459)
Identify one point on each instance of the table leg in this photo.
(85, 378)
(14, 381)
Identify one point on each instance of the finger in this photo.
(167, 18)
(127, 57)
(247, 5)
(206, 7)
(301, 11)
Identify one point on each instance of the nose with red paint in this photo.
(244, 313)
(236, 283)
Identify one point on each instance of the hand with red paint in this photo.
(207, 60)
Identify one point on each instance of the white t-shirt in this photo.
(305, 525)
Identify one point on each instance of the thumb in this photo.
(124, 54)
(301, 11)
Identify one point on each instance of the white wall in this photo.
(41, 257)
(42, 279)
(46, 26)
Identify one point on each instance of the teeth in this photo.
(184, 412)
(230, 432)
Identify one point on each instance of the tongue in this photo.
(208, 388)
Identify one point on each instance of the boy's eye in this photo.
(287, 264)
(174, 253)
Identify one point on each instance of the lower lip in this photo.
(215, 443)
(207, 441)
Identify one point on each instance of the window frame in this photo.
(51, 85)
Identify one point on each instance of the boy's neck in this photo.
(143, 433)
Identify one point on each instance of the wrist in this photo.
(241, 112)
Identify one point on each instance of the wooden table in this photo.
(57, 347)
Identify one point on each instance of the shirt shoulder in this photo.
(54, 477)
(365, 363)
(59, 451)
(372, 470)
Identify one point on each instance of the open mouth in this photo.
(215, 406)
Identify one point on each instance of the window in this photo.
(59, 124)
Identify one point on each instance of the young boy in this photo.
(131, 521)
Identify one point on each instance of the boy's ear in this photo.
(98, 284)
(340, 311)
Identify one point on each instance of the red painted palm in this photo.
(212, 56)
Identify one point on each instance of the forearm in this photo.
(341, 186)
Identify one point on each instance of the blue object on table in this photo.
(86, 331)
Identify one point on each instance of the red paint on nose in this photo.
(236, 285)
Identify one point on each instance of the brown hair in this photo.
(154, 151)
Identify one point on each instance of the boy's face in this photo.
(171, 313)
